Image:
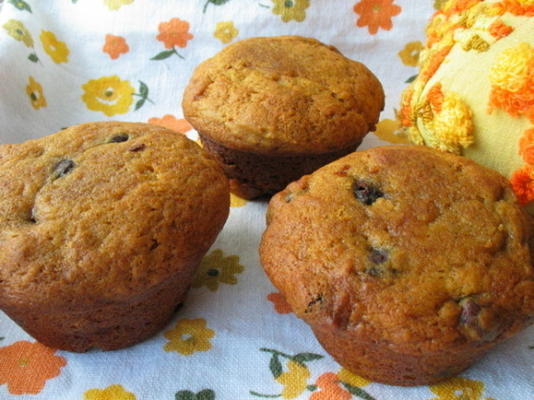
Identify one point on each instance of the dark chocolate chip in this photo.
(366, 193)
(121, 137)
(154, 244)
(138, 147)
(62, 168)
(213, 272)
(378, 256)
(374, 271)
(470, 310)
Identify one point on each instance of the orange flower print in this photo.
(280, 304)
(173, 33)
(376, 14)
(523, 184)
(115, 46)
(25, 367)
(329, 388)
(171, 122)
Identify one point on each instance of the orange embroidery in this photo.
(280, 304)
(458, 6)
(515, 7)
(115, 46)
(26, 367)
(328, 383)
(433, 64)
(174, 33)
(376, 14)
(435, 97)
(171, 122)
(523, 184)
(406, 109)
(526, 146)
(499, 29)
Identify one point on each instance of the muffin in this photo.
(272, 109)
(101, 228)
(408, 263)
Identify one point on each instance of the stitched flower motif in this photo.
(175, 32)
(116, 4)
(215, 268)
(329, 388)
(113, 392)
(291, 9)
(18, 31)
(458, 388)
(115, 46)
(512, 80)
(526, 146)
(522, 182)
(108, 94)
(34, 90)
(225, 31)
(280, 304)
(26, 366)
(294, 380)
(56, 49)
(410, 53)
(189, 336)
(171, 122)
(376, 14)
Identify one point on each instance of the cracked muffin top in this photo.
(97, 211)
(285, 94)
(403, 245)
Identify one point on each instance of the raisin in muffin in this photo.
(101, 228)
(275, 108)
(407, 263)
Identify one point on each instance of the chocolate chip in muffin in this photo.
(378, 256)
(477, 322)
(137, 147)
(121, 137)
(366, 192)
(62, 168)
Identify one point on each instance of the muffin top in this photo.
(403, 245)
(285, 94)
(104, 211)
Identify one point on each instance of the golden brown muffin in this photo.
(407, 263)
(275, 108)
(101, 228)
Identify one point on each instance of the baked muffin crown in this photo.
(285, 94)
(403, 246)
(101, 211)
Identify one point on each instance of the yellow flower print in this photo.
(225, 31)
(410, 53)
(116, 4)
(215, 268)
(189, 336)
(294, 380)
(291, 9)
(390, 131)
(458, 388)
(236, 201)
(113, 392)
(108, 94)
(34, 90)
(56, 49)
(18, 31)
(345, 376)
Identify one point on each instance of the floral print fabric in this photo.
(235, 337)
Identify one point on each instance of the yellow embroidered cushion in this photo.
(474, 94)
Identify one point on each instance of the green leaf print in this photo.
(275, 366)
(33, 57)
(163, 55)
(214, 2)
(21, 5)
(206, 394)
(301, 358)
(410, 79)
(185, 395)
(356, 391)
